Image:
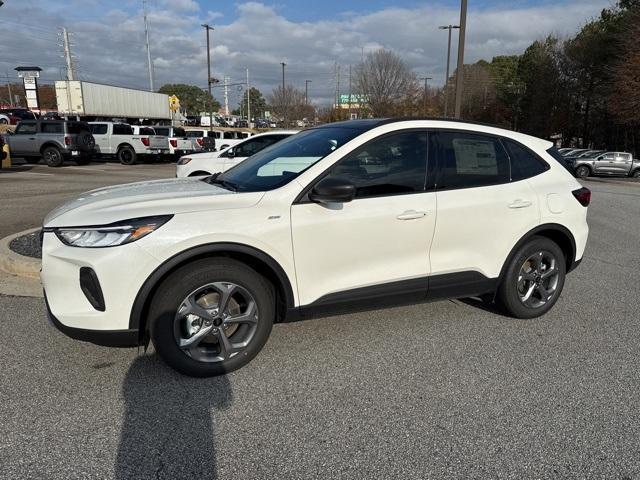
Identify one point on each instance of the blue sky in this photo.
(312, 37)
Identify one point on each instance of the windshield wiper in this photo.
(214, 180)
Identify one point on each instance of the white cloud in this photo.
(110, 47)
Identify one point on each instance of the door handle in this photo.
(411, 215)
(520, 204)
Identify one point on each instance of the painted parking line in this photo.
(13, 175)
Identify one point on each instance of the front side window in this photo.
(253, 146)
(280, 163)
(26, 128)
(468, 160)
(524, 163)
(389, 165)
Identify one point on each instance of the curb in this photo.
(16, 264)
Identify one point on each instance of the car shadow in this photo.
(16, 169)
(168, 429)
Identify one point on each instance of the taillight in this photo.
(145, 141)
(174, 143)
(67, 140)
(200, 141)
(583, 195)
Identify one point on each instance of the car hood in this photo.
(142, 199)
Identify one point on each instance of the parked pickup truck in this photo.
(179, 143)
(53, 140)
(205, 138)
(607, 163)
(120, 140)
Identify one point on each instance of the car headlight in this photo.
(110, 235)
(184, 160)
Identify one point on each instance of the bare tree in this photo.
(386, 81)
(289, 105)
(624, 101)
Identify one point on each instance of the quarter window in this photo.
(390, 165)
(524, 163)
(47, 127)
(469, 160)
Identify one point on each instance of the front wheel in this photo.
(636, 174)
(211, 317)
(534, 279)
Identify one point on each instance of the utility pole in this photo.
(349, 91)
(248, 101)
(67, 54)
(226, 95)
(446, 80)
(208, 28)
(426, 92)
(460, 74)
(306, 91)
(284, 103)
(146, 34)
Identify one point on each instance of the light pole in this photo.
(446, 80)
(207, 28)
(284, 106)
(426, 91)
(460, 69)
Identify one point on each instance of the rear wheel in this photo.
(534, 279)
(4, 121)
(52, 156)
(211, 317)
(126, 155)
(583, 171)
(636, 174)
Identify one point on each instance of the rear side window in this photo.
(193, 134)
(99, 129)
(50, 127)
(146, 131)
(469, 160)
(558, 157)
(78, 127)
(162, 131)
(122, 129)
(179, 132)
(524, 163)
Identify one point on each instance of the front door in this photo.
(23, 141)
(380, 239)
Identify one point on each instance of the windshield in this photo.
(280, 163)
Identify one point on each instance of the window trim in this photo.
(303, 196)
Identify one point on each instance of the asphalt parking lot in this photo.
(441, 390)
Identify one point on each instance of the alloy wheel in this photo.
(216, 322)
(538, 279)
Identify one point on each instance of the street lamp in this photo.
(460, 68)
(446, 80)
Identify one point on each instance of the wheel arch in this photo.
(125, 145)
(256, 259)
(50, 144)
(555, 232)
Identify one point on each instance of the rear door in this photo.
(482, 211)
(604, 164)
(622, 163)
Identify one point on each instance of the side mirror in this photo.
(333, 190)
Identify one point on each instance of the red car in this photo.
(14, 115)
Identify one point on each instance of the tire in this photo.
(53, 156)
(635, 174)
(86, 141)
(169, 322)
(529, 271)
(4, 121)
(126, 155)
(199, 174)
(583, 171)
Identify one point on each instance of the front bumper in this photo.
(105, 338)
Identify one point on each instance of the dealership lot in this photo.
(446, 389)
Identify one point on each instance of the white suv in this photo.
(208, 163)
(355, 214)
